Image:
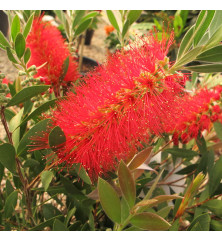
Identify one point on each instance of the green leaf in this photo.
(38, 111)
(216, 225)
(46, 178)
(109, 200)
(190, 56)
(187, 169)
(218, 129)
(216, 22)
(215, 39)
(112, 19)
(47, 223)
(127, 184)
(36, 130)
(7, 157)
(185, 42)
(212, 55)
(206, 68)
(215, 206)
(28, 26)
(11, 56)
(125, 28)
(10, 204)
(70, 213)
(183, 153)
(59, 226)
(164, 211)
(78, 17)
(56, 137)
(65, 67)
(199, 34)
(60, 15)
(200, 223)
(9, 188)
(3, 41)
(215, 176)
(81, 172)
(13, 127)
(27, 93)
(15, 27)
(89, 16)
(133, 15)
(27, 55)
(83, 26)
(206, 162)
(149, 221)
(20, 45)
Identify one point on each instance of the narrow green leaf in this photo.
(36, 130)
(216, 225)
(215, 39)
(215, 176)
(47, 223)
(109, 200)
(218, 129)
(20, 45)
(164, 211)
(112, 19)
(125, 28)
(206, 68)
(11, 56)
(10, 204)
(212, 55)
(127, 184)
(27, 55)
(200, 223)
(3, 41)
(46, 178)
(133, 15)
(27, 93)
(83, 26)
(65, 67)
(183, 153)
(204, 26)
(70, 213)
(9, 188)
(60, 15)
(28, 26)
(88, 16)
(78, 17)
(7, 157)
(59, 226)
(15, 27)
(214, 206)
(149, 221)
(216, 22)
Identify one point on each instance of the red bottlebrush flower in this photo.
(123, 102)
(202, 111)
(48, 46)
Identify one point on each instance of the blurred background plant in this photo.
(165, 185)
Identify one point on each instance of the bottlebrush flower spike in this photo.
(203, 111)
(122, 103)
(48, 46)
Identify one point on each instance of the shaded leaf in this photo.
(47, 223)
(10, 204)
(7, 157)
(56, 137)
(212, 55)
(183, 153)
(205, 68)
(59, 226)
(218, 129)
(200, 223)
(46, 178)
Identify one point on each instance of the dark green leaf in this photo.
(46, 178)
(15, 27)
(59, 226)
(212, 55)
(216, 225)
(89, 16)
(20, 45)
(215, 39)
(112, 19)
(183, 153)
(125, 28)
(56, 137)
(7, 157)
(3, 41)
(218, 129)
(164, 211)
(215, 206)
(127, 184)
(206, 162)
(2, 170)
(109, 200)
(9, 188)
(65, 67)
(206, 68)
(28, 26)
(215, 176)
(81, 172)
(70, 213)
(27, 93)
(36, 130)
(10, 204)
(27, 55)
(133, 15)
(200, 223)
(187, 169)
(78, 17)
(11, 56)
(216, 22)
(47, 223)
(83, 26)
(149, 221)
